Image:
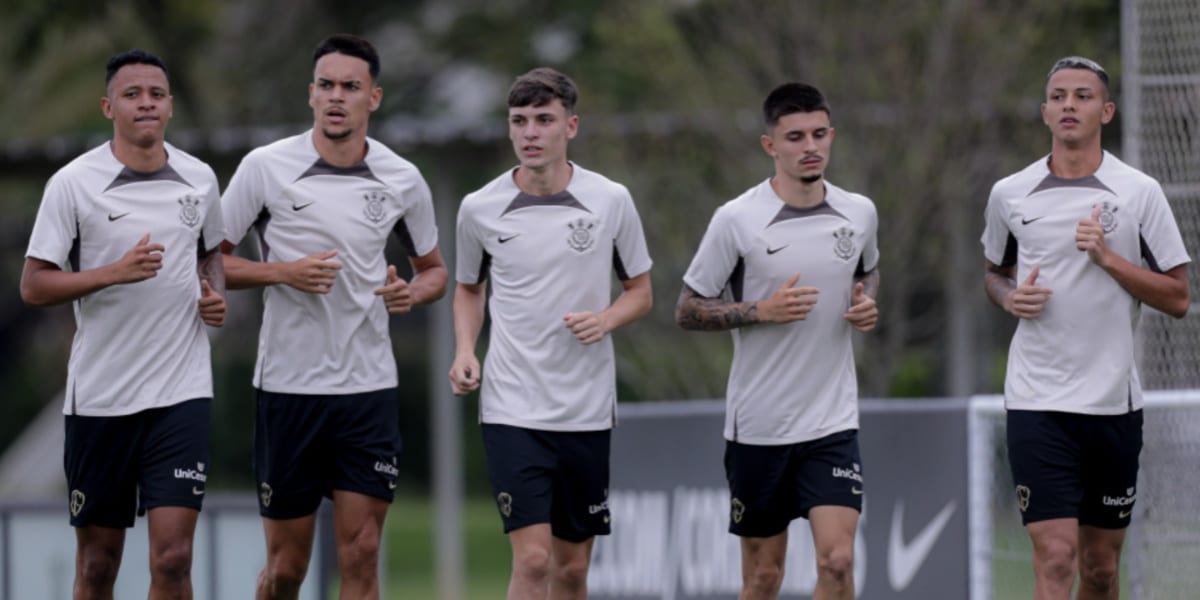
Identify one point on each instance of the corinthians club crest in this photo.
(1108, 217)
(582, 236)
(843, 245)
(189, 211)
(374, 208)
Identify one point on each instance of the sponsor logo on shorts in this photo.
(504, 501)
(386, 469)
(265, 492)
(196, 474)
(857, 491)
(197, 491)
(77, 501)
(854, 474)
(737, 510)
(1023, 493)
(1122, 501)
(598, 508)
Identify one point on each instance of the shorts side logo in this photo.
(77, 501)
(504, 501)
(265, 493)
(1023, 493)
(737, 510)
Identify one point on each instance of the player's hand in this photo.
(464, 374)
(314, 273)
(1026, 300)
(140, 263)
(863, 313)
(788, 303)
(1089, 237)
(588, 327)
(212, 306)
(396, 295)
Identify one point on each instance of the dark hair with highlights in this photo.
(792, 98)
(541, 85)
(132, 57)
(350, 45)
(1079, 62)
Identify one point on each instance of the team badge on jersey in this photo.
(1108, 217)
(843, 247)
(581, 238)
(374, 209)
(189, 210)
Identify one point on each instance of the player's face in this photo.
(540, 134)
(342, 95)
(1075, 106)
(800, 144)
(138, 102)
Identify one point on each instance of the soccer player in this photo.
(323, 204)
(128, 233)
(790, 267)
(1090, 239)
(548, 234)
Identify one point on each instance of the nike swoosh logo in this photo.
(299, 207)
(1123, 514)
(905, 559)
(505, 239)
(771, 250)
(112, 217)
(196, 492)
(856, 491)
(1028, 221)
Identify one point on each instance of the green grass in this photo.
(409, 533)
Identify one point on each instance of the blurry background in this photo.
(933, 102)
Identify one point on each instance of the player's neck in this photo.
(343, 152)
(798, 193)
(545, 181)
(143, 159)
(1073, 162)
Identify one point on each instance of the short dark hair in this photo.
(540, 86)
(1079, 62)
(350, 45)
(792, 98)
(132, 57)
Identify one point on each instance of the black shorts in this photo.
(1074, 466)
(555, 477)
(769, 486)
(119, 467)
(306, 446)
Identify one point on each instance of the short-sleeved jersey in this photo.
(1078, 355)
(299, 204)
(547, 256)
(789, 382)
(138, 345)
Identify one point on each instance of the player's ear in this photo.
(768, 145)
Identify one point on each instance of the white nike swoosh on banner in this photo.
(905, 560)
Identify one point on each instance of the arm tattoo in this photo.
(211, 268)
(870, 282)
(698, 313)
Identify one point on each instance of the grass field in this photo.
(409, 572)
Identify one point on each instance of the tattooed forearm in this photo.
(696, 312)
(870, 283)
(211, 268)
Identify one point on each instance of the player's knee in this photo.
(1055, 559)
(172, 562)
(765, 577)
(837, 565)
(532, 564)
(1099, 577)
(283, 575)
(572, 574)
(358, 555)
(98, 568)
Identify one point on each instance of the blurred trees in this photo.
(933, 101)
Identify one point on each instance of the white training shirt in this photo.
(547, 256)
(1078, 356)
(790, 382)
(334, 343)
(138, 345)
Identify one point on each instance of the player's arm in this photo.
(314, 273)
(211, 271)
(428, 283)
(1025, 300)
(43, 283)
(787, 304)
(864, 312)
(634, 302)
(469, 302)
(1166, 291)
